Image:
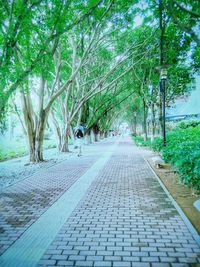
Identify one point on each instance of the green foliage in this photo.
(49, 39)
(10, 150)
(139, 140)
(157, 144)
(188, 123)
(182, 151)
(49, 144)
(15, 149)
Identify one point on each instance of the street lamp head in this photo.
(163, 73)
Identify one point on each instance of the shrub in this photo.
(182, 151)
(139, 140)
(157, 144)
(188, 123)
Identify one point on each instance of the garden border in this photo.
(189, 225)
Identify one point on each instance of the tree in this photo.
(27, 29)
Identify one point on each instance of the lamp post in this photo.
(163, 78)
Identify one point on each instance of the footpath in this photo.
(106, 208)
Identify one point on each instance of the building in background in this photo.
(187, 106)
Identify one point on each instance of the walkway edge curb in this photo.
(187, 222)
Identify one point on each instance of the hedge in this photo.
(182, 151)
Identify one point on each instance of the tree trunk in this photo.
(31, 143)
(35, 129)
(88, 138)
(65, 138)
(36, 139)
(105, 134)
(71, 135)
(10, 126)
(135, 125)
(39, 150)
(160, 128)
(153, 125)
(40, 136)
(59, 139)
(65, 144)
(96, 131)
(57, 131)
(144, 120)
(101, 135)
(92, 136)
(96, 137)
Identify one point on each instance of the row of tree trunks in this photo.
(152, 121)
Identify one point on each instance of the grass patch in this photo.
(12, 149)
(15, 149)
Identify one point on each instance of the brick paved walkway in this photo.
(124, 218)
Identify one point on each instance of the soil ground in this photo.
(182, 194)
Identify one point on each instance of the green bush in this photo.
(139, 140)
(183, 152)
(188, 123)
(157, 144)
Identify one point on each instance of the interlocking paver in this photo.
(127, 202)
(23, 203)
(125, 219)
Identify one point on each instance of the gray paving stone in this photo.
(70, 252)
(160, 264)
(168, 259)
(140, 264)
(124, 219)
(77, 258)
(102, 264)
(131, 259)
(133, 249)
(150, 259)
(112, 258)
(122, 253)
(105, 253)
(84, 263)
(64, 263)
(115, 248)
(149, 249)
(47, 262)
(97, 248)
(87, 252)
(59, 257)
(121, 264)
(158, 254)
(181, 265)
(94, 258)
(188, 260)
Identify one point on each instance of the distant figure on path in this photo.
(79, 141)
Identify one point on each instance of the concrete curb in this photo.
(190, 227)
